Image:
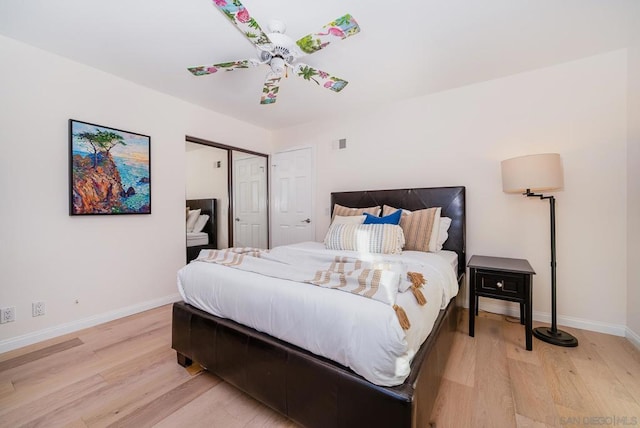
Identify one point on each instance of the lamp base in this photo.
(559, 337)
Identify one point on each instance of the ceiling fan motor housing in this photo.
(277, 26)
(282, 46)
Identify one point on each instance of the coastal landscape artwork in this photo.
(109, 170)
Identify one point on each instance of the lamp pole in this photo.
(552, 335)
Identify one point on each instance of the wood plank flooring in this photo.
(124, 374)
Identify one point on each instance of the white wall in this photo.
(205, 180)
(113, 265)
(633, 191)
(459, 137)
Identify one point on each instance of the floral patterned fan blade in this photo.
(281, 52)
(226, 66)
(337, 29)
(239, 16)
(270, 89)
(320, 77)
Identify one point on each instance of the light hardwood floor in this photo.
(124, 374)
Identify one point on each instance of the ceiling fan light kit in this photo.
(279, 51)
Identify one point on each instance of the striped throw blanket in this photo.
(378, 280)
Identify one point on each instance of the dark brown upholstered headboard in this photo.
(207, 206)
(451, 199)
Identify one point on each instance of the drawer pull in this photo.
(500, 284)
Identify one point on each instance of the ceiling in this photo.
(405, 49)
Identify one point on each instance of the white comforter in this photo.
(360, 333)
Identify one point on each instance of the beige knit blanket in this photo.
(374, 280)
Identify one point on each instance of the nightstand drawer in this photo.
(500, 284)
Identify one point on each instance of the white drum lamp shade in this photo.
(536, 173)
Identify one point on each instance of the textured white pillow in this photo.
(443, 233)
(365, 238)
(191, 219)
(348, 219)
(200, 223)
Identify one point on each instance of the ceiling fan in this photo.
(279, 51)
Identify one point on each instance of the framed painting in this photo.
(109, 170)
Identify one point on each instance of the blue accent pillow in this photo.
(390, 219)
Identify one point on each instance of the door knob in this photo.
(306, 220)
(237, 219)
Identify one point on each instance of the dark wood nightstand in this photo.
(501, 278)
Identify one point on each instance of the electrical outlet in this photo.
(7, 315)
(37, 309)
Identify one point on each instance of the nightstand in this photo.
(501, 278)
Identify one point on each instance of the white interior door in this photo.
(250, 202)
(292, 175)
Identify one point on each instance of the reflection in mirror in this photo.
(250, 222)
(207, 177)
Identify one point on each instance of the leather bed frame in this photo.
(315, 391)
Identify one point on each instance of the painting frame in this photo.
(109, 170)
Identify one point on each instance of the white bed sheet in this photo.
(357, 332)
(197, 238)
(451, 257)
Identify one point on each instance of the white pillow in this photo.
(365, 238)
(191, 219)
(200, 223)
(443, 233)
(348, 219)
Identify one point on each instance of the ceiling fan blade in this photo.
(270, 89)
(338, 29)
(320, 77)
(226, 66)
(239, 16)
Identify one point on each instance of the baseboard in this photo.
(633, 337)
(70, 327)
(512, 309)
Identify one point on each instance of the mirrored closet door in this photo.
(243, 206)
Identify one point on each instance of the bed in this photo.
(207, 238)
(315, 391)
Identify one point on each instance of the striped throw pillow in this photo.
(346, 211)
(348, 219)
(365, 238)
(420, 228)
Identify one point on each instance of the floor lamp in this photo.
(539, 173)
